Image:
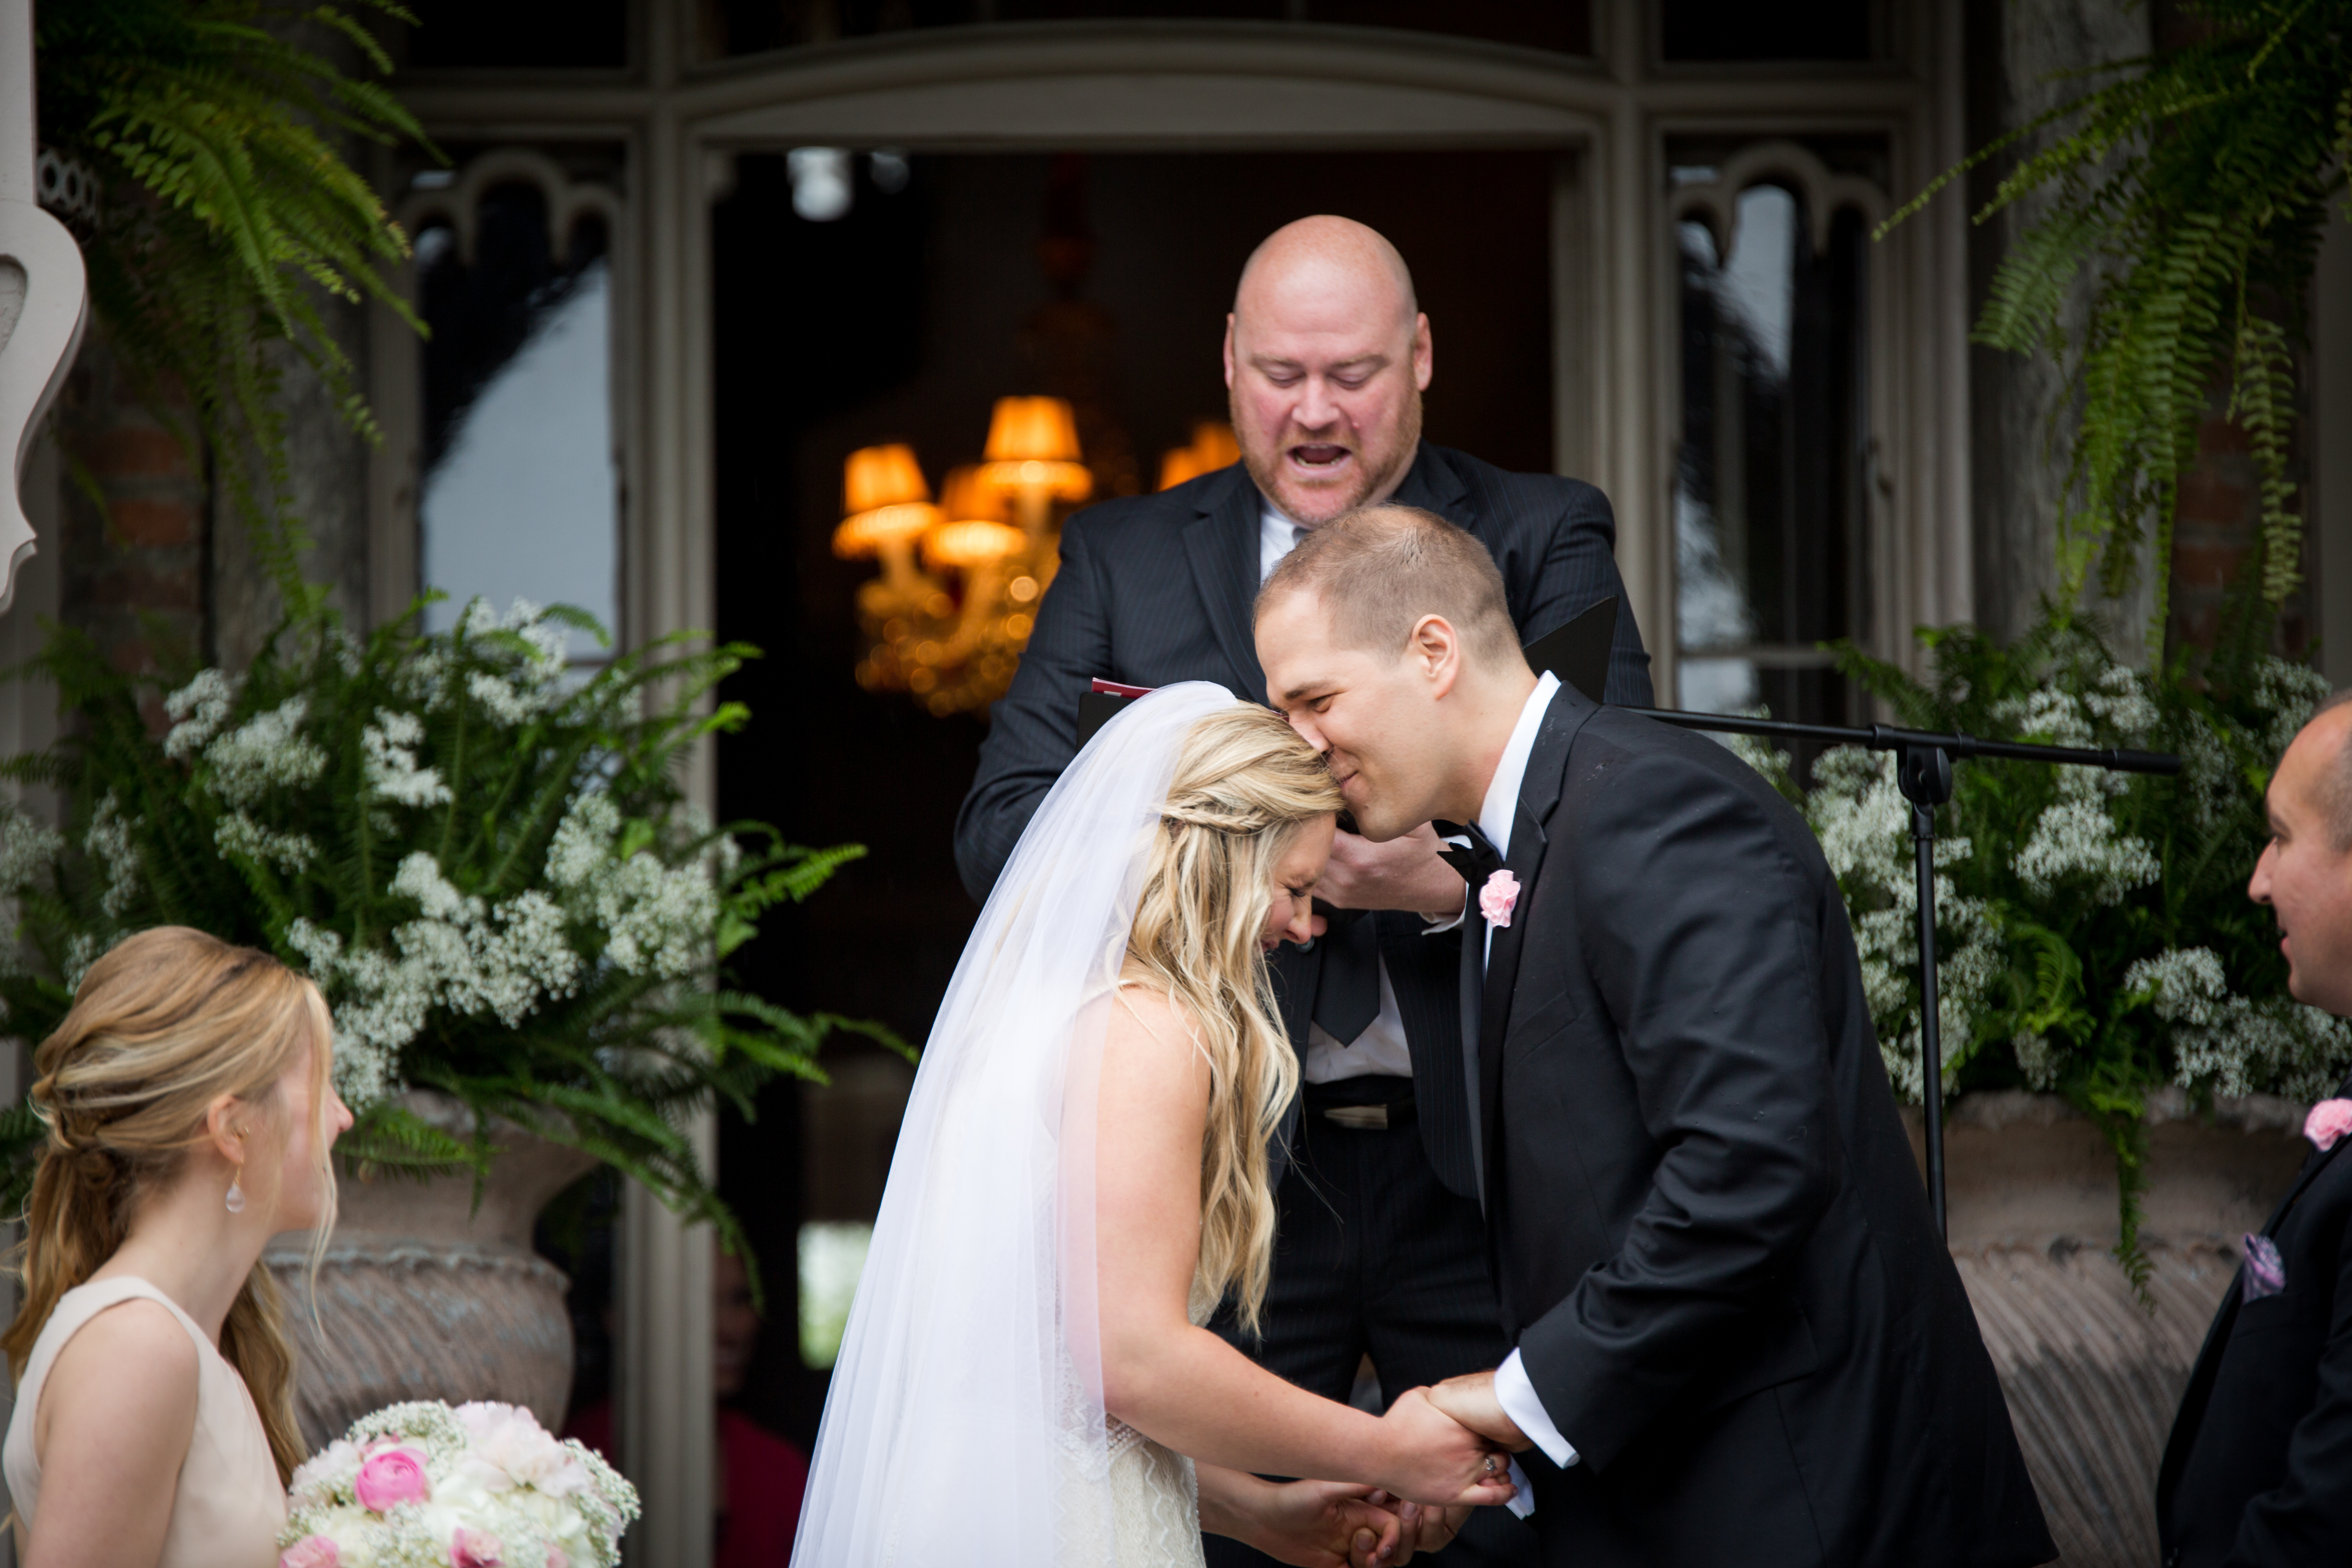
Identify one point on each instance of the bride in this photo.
(1081, 1178)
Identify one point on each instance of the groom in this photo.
(1738, 1339)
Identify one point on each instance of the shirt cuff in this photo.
(1518, 1397)
(1438, 927)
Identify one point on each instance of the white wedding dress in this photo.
(1155, 1499)
(965, 1422)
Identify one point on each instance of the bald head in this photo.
(1326, 355)
(1327, 259)
(2304, 874)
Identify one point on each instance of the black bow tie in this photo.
(1477, 860)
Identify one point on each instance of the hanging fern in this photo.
(228, 211)
(2192, 186)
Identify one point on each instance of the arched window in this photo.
(1772, 457)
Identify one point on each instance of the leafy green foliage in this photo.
(228, 208)
(485, 860)
(2094, 933)
(2191, 186)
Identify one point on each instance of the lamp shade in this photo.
(1178, 464)
(967, 497)
(871, 532)
(882, 476)
(1033, 430)
(1213, 447)
(971, 543)
(1032, 449)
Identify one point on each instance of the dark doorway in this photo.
(902, 318)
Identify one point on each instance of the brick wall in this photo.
(2214, 530)
(132, 573)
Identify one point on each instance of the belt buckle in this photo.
(1362, 1118)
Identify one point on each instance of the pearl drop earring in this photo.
(237, 1194)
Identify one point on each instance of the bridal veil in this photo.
(965, 1422)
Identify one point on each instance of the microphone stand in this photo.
(1924, 772)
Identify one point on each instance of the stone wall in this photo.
(2019, 419)
(327, 497)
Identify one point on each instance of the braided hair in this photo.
(1244, 785)
(161, 1027)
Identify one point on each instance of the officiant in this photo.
(1381, 1250)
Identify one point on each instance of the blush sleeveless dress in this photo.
(229, 1505)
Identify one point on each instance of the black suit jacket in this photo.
(1714, 1250)
(1156, 589)
(2259, 1467)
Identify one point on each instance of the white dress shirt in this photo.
(1381, 1049)
(1513, 1391)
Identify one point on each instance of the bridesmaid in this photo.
(191, 1114)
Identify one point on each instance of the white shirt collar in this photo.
(1502, 804)
(1276, 536)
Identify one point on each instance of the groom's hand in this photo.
(1402, 873)
(1420, 1528)
(1470, 1399)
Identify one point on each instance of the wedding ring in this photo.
(1490, 1464)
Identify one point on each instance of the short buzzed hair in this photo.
(2335, 785)
(1379, 569)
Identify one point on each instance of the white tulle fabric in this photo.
(965, 1423)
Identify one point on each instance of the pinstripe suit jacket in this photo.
(1155, 589)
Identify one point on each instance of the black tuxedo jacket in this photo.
(2259, 1467)
(1159, 588)
(1714, 1250)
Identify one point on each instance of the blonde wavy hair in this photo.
(1244, 785)
(164, 1022)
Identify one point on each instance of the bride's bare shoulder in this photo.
(1144, 1007)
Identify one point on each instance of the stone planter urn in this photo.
(423, 1296)
(2092, 1377)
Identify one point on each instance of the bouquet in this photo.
(482, 1485)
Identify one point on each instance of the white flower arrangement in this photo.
(2036, 881)
(480, 854)
(421, 1485)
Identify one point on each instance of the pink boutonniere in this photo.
(2328, 1120)
(1496, 898)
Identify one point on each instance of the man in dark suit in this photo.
(1738, 1339)
(1326, 355)
(2259, 1467)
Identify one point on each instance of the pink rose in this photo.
(2328, 1120)
(556, 1559)
(312, 1552)
(1496, 898)
(471, 1548)
(392, 1475)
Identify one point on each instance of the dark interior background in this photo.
(904, 319)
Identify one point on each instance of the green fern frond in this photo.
(225, 204)
(2191, 182)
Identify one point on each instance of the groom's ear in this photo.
(1435, 650)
